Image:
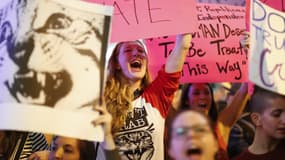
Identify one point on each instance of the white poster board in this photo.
(52, 66)
(267, 54)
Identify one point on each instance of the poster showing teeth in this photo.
(52, 58)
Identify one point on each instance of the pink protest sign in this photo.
(215, 54)
(267, 47)
(145, 19)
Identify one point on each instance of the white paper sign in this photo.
(267, 43)
(52, 57)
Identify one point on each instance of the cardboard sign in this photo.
(52, 56)
(135, 19)
(267, 65)
(215, 54)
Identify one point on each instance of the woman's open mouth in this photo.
(194, 153)
(136, 65)
(202, 105)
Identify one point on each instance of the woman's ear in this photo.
(256, 118)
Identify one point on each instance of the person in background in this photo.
(139, 106)
(191, 136)
(67, 148)
(221, 92)
(199, 97)
(20, 145)
(241, 134)
(170, 116)
(268, 116)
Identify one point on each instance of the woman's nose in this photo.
(58, 153)
(283, 117)
(202, 95)
(135, 52)
(189, 132)
(138, 53)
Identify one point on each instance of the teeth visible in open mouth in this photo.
(136, 64)
(203, 105)
(192, 151)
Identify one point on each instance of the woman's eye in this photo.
(127, 50)
(68, 150)
(200, 130)
(196, 93)
(53, 148)
(141, 51)
(180, 131)
(276, 113)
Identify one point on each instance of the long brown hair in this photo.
(213, 111)
(9, 142)
(117, 93)
(86, 148)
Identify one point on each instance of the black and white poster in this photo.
(52, 58)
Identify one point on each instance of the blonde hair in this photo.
(117, 94)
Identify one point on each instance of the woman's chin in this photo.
(194, 157)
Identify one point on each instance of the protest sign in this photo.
(145, 19)
(52, 57)
(276, 4)
(267, 44)
(215, 54)
(230, 2)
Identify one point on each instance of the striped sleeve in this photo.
(39, 142)
(34, 142)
